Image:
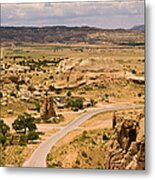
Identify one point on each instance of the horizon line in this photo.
(67, 26)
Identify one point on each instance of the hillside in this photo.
(73, 35)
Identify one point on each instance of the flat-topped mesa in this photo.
(47, 108)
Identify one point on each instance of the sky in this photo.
(111, 15)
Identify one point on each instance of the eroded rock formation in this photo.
(126, 147)
(47, 107)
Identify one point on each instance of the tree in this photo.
(24, 122)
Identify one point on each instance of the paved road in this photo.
(38, 158)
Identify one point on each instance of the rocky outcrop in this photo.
(126, 147)
(46, 107)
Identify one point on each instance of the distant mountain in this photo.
(139, 27)
(72, 35)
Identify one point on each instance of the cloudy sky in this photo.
(112, 14)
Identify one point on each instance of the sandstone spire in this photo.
(46, 107)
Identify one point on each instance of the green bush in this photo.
(75, 103)
(23, 140)
(2, 139)
(84, 136)
(32, 135)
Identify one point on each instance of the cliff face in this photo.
(126, 147)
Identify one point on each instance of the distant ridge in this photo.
(72, 35)
(139, 27)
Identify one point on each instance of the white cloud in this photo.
(58, 13)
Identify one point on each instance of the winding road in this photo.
(38, 158)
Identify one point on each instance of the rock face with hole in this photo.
(126, 147)
(47, 108)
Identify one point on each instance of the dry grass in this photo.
(16, 155)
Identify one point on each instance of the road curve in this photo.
(38, 158)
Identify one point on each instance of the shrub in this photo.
(56, 164)
(23, 140)
(139, 94)
(85, 134)
(75, 103)
(77, 162)
(84, 154)
(4, 128)
(51, 77)
(106, 95)
(49, 157)
(69, 94)
(2, 139)
(32, 135)
(133, 71)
